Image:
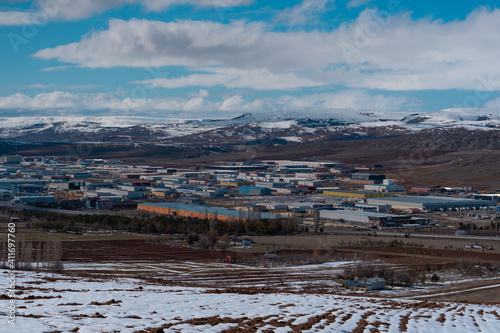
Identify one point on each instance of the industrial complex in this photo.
(429, 203)
(371, 219)
(204, 212)
(272, 189)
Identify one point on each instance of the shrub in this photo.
(192, 238)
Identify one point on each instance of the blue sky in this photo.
(222, 58)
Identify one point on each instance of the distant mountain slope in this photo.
(320, 125)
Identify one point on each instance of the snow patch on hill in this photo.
(331, 120)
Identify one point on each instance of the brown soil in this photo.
(394, 251)
(133, 250)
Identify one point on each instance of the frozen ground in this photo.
(49, 302)
(218, 274)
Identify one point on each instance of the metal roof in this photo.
(202, 209)
(435, 200)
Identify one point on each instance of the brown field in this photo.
(169, 259)
(176, 264)
(134, 250)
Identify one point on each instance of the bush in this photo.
(192, 238)
(470, 266)
(403, 278)
(435, 278)
(204, 243)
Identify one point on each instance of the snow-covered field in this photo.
(49, 302)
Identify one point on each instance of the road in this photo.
(413, 235)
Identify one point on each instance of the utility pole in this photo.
(267, 274)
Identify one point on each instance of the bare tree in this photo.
(316, 219)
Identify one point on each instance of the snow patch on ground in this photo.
(50, 302)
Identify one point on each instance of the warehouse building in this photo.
(495, 198)
(254, 190)
(388, 185)
(356, 194)
(4, 194)
(32, 199)
(234, 182)
(430, 203)
(274, 205)
(202, 212)
(372, 208)
(367, 176)
(366, 218)
(192, 200)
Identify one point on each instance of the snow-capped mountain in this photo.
(284, 126)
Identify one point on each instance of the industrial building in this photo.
(371, 208)
(307, 164)
(202, 212)
(430, 203)
(367, 218)
(491, 197)
(388, 185)
(254, 190)
(31, 199)
(356, 194)
(192, 200)
(4, 194)
(11, 159)
(234, 182)
(374, 283)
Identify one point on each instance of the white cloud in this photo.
(351, 99)
(389, 53)
(49, 10)
(77, 9)
(357, 3)
(495, 103)
(304, 12)
(159, 5)
(143, 43)
(64, 86)
(232, 102)
(14, 18)
(258, 79)
(57, 68)
(58, 101)
(197, 105)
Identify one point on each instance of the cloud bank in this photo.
(197, 105)
(393, 53)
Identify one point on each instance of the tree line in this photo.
(163, 224)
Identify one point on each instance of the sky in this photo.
(191, 59)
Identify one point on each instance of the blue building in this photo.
(253, 190)
(370, 283)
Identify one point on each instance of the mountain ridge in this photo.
(292, 126)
